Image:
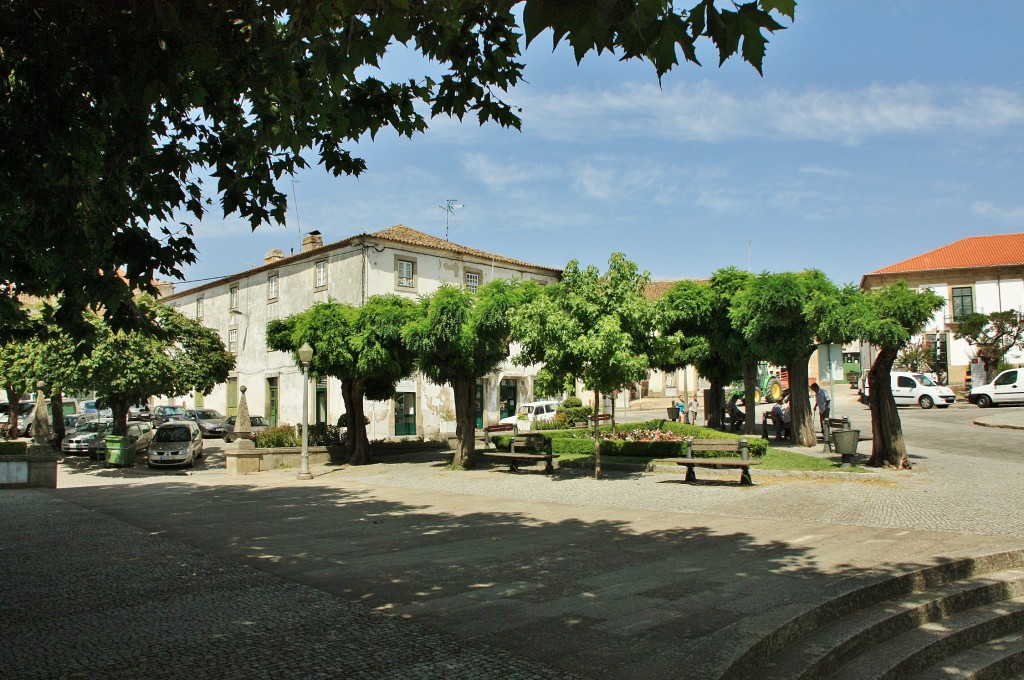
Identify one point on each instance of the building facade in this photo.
(981, 274)
(397, 260)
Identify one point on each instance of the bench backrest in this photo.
(500, 427)
(531, 441)
(739, 446)
(839, 423)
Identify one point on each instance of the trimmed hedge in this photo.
(13, 448)
(277, 437)
(581, 441)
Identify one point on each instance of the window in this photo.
(199, 308)
(472, 281)
(1008, 378)
(272, 287)
(406, 270)
(963, 302)
(321, 273)
(233, 340)
(233, 297)
(904, 381)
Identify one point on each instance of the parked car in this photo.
(139, 412)
(1006, 388)
(26, 414)
(256, 424)
(96, 406)
(530, 412)
(914, 388)
(163, 414)
(139, 434)
(178, 442)
(85, 440)
(210, 422)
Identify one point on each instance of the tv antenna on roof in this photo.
(449, 208)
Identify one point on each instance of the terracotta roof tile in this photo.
(656, 290)
(973, 252)
(403, 234)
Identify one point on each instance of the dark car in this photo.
(210, 422)
(256, 424)
(163, 414)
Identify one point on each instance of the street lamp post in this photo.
(305, 356)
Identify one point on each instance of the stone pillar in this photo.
(242, 458)
(41, 423)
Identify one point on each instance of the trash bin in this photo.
(673, 413)
(118, 451)
(845, 442)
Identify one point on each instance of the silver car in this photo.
(178, 442)
(256, 424)
(85, 440)
(210, 422)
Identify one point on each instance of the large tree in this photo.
(360, 346)
(458, 337)
(596, 328)
(776, 312)
(127, 367)
(695, 317)
(992, 336)
(888, 318)
(120, 115)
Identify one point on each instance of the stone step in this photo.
(756, 641)
(843, 639)
(931, 643)
(999, 658)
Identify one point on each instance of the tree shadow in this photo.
(600, 592)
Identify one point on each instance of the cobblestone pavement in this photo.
(407, 569)
(86, 596)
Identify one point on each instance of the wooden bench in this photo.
(738, 446)
(782, 429)
(484, 436)
(538, 444)
(601, 418)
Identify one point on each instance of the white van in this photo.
(915, 388)
(1007, 388)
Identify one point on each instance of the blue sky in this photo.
(879, 131)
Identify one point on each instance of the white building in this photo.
(981, 274)
(396, 260)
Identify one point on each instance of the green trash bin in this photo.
(118, 451)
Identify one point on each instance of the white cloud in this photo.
(499, 175)
(705, 112)
(1014, 216)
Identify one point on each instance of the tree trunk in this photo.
(357, 442)
(800, 403)
(597, 435)
(714, 405)
(119, 408)
(13, 397)
(887, 445)
(749, 396)
(465, 422)
(57, 416)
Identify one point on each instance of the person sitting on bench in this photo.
(781, 417)
(736, 416)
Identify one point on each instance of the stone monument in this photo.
(242, 458)
(41, 431)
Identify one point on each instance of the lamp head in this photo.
(305, 353)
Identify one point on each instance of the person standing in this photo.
(822, 402)
(681, 408)
(692, 408)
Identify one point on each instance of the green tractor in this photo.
(770, 385)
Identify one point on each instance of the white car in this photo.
(530, 412)
(915, 388)
(1007, 388)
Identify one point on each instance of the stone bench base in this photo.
(29, 471)
(245, 460)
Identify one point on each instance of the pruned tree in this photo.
(775, 312)
(360, 346)
(992, 336)
(888, 318)
(696, 318)
(126, 367)
(596, 328)
(458, 337)
(118, 116)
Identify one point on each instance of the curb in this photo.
(1004, 426)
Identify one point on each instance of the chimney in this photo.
(273, 256)
(312, 240)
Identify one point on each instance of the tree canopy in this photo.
(592, 327)
(361, 346)
(120, 116)
(457, 337)
(992, 336)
